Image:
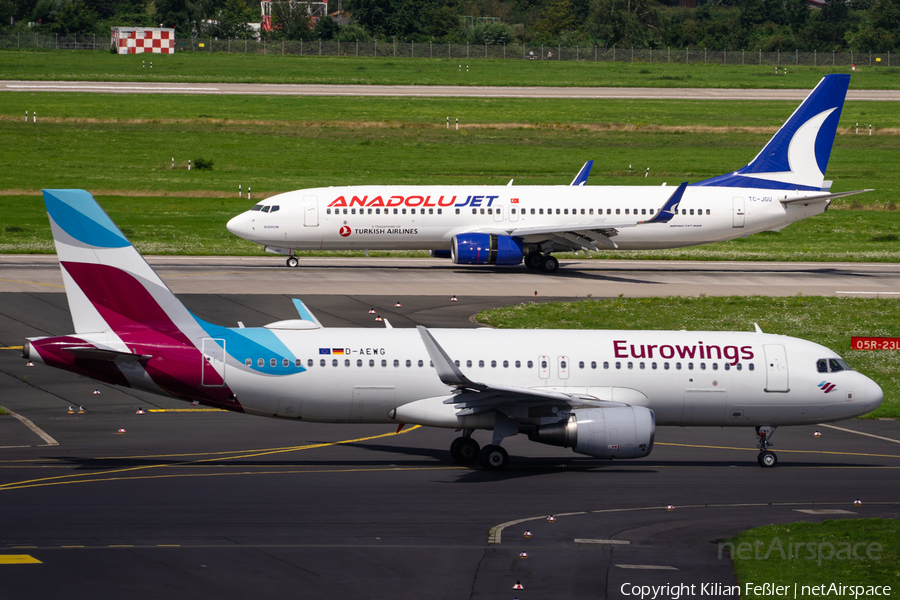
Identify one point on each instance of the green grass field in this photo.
(827, 321)
(855, 552)
(273, 68)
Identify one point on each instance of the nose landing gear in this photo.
(766, 457)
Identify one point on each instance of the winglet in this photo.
(670, 208)
(446, 369)
(304, 312)
(583, 174)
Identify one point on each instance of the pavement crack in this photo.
(475, 577)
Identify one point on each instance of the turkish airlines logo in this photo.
(345, 231)
(827, 386)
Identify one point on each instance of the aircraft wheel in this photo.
(293, 262)
(464, 450)
(549, 264)
(767, 459)
(533, 261)
(493, 458)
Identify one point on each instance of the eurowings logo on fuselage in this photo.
(827, 386)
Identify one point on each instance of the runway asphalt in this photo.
(208, 504)
(439, 91)
(439, 277)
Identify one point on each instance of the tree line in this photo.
(787, 25)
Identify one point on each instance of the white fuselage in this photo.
(684, 377)
(428, 217)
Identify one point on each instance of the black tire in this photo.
(493, 458)
(533, 261)
(549, 264)
(464, 450)
(293, 262)
(767, 459)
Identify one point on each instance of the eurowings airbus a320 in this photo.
(601, 393)
(502, 225)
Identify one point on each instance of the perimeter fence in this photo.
(469, 51)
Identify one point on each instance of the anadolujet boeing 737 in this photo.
(601, 393)
(501, 225)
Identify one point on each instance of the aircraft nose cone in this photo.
(874, 395)
(238, 225)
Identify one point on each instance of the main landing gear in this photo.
(766, 457)
(466, 451)
(292, 262)
(544, 262)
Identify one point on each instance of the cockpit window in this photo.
(832, 365)
(274, 208)
(837, 364)
(266, 208)
(257, 207)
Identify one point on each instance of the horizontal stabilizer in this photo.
(92, 353)
(809, 199)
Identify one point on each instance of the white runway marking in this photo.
(871, 435)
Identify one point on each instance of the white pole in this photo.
(240, 191)
(448, 120)
(189, 164)
(26, 116)
(457, 123)
(173, 162)
(34, 115)
(248, 192)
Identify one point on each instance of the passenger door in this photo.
(544, 367)
(498, 213)
(310, 211)
(563, 366)
(776, 368)
(738, 211)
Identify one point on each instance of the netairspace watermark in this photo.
(818, 551)
(674, 591)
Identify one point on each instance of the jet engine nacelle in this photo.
(617, 432)
(486, 249)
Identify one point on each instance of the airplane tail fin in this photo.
(797, 155)
(109, 286)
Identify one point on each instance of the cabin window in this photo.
(580, 364)
(651, 211)
(727, 366)
(684, 211)
(377, 211)
(482, 211)
(665, 366)
(266, 208)
(512, 211)
(457, 362)
(249, 362)
(618, 211)
(532, 211)
(690, 366)
(750, 366)
(370, 211)
(653, 366)
(408, 363)
(707, 211)
(481, 363)
(557, 211)
(322, 363)
(489, 212)
(541, 211)
(285, 362)
(395, 211)
(618, 365)
(403, 211)
(412, 211)
(310, 363)
(518, 364)
(715, 366)
(590, 211)
(642, 366)
(505, 364)
(457, 211)
(257, 207)
(474, 211)
(383, 362)
(678, 366)
(643, 211)
(609, 211)
(430, 211)
(421, 364)
(543, 364)
(352, 211)
(692, 211)
(626, 211)
(334, 362)
(439, 211)
(493, 364)
(327, 211)
(469, 364)
(530, 364)
(593, 364)
(565, 211)
(396, 363)
(738, 366)
(371, 362)
(605, 364)
(702, 366)
(582, 211)
(630, 365)
(273, 362)
(359, 362)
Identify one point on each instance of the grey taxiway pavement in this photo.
(439, 277)
(447, 91)
(191, 503)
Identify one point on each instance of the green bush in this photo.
(203, 164)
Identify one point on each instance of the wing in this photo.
(473, 398)
(587, 235)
